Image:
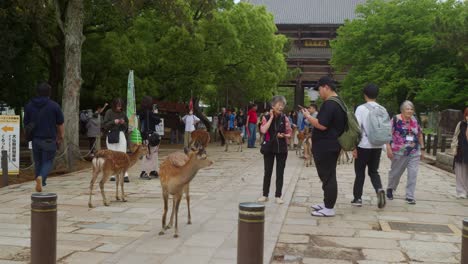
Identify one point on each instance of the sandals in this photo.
(317, 207)
(322, 213)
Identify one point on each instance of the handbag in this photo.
(113, 136)
(154, 139)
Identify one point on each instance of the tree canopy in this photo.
(412, 49)
(212, 49)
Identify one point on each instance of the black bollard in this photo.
(4, 168)
(250, 236)
(43, 228)
(464, 246)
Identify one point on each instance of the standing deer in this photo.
(200, 137)
(175, 174)
(234, 136)
(109, 162)
(308, 151)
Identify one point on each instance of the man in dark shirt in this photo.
(328, 126)
(47, 134)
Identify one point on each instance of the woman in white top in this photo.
(189, 120)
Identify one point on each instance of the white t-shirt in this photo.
(190, 121)
(361, 115)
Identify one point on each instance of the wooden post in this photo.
(443, 144)
(428, 146)
(5, 167)
(436, 144)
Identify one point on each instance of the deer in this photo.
(308, 151)
(108, 162)
(200, 137)
(300, 140)
(234, 136)
(175, 174)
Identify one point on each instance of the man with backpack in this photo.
(376, 131)
(329, 126)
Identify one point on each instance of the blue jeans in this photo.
(253, 135)
(43, 154)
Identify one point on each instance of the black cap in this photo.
(326, 80)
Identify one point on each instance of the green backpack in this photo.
(352, 133)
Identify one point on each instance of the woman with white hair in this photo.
(405, 151)
(277, 129)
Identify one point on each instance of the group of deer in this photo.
(175, 174)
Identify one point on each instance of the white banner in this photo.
(9, 140)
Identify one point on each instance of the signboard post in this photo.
(9, 141)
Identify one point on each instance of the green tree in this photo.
(400, 46)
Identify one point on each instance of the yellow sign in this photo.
(9, 140)
(316, 43)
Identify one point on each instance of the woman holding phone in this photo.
(277, 130)
(116, 124)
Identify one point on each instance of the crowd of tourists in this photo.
(330, 129)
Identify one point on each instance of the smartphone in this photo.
(300, 107)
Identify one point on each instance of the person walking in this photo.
(149, 119)
(190, 120)
(277, 130)
(240, 121)
(460, 150)
(405, 151)
(93, 129)
(252, 125)
(368, 152)
(328, 126)
(222, 125)
(232, 119)
(43, 122)
(116, 124)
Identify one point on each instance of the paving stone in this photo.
(413, 246)
(15, 241)
(354, 242)
(293, 239)
(324, 261)
(86, 257)
(9, 252)
(380, 254)
(382, 234)
(206, 239)
(107, 232)
(316, 230)
(110, 248)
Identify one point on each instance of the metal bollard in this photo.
(428, 146)
(250, 234)
(464, 246)
(436, 145)
(5, 168)
(43, 228)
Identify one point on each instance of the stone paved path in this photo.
(355, 235)
(128, 232)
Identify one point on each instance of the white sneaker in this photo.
(461, 196)
(278, 200)
(262, 199)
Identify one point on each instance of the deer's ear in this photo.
(186, 151)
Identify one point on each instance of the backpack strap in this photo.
(339, 102)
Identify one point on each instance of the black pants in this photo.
(269, 159)
(91, 141)
(223, 140)
(369, 158)
(325, 162)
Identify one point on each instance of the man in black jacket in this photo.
(46, 118)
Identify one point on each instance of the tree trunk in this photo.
(73, 31)
(199, 114)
